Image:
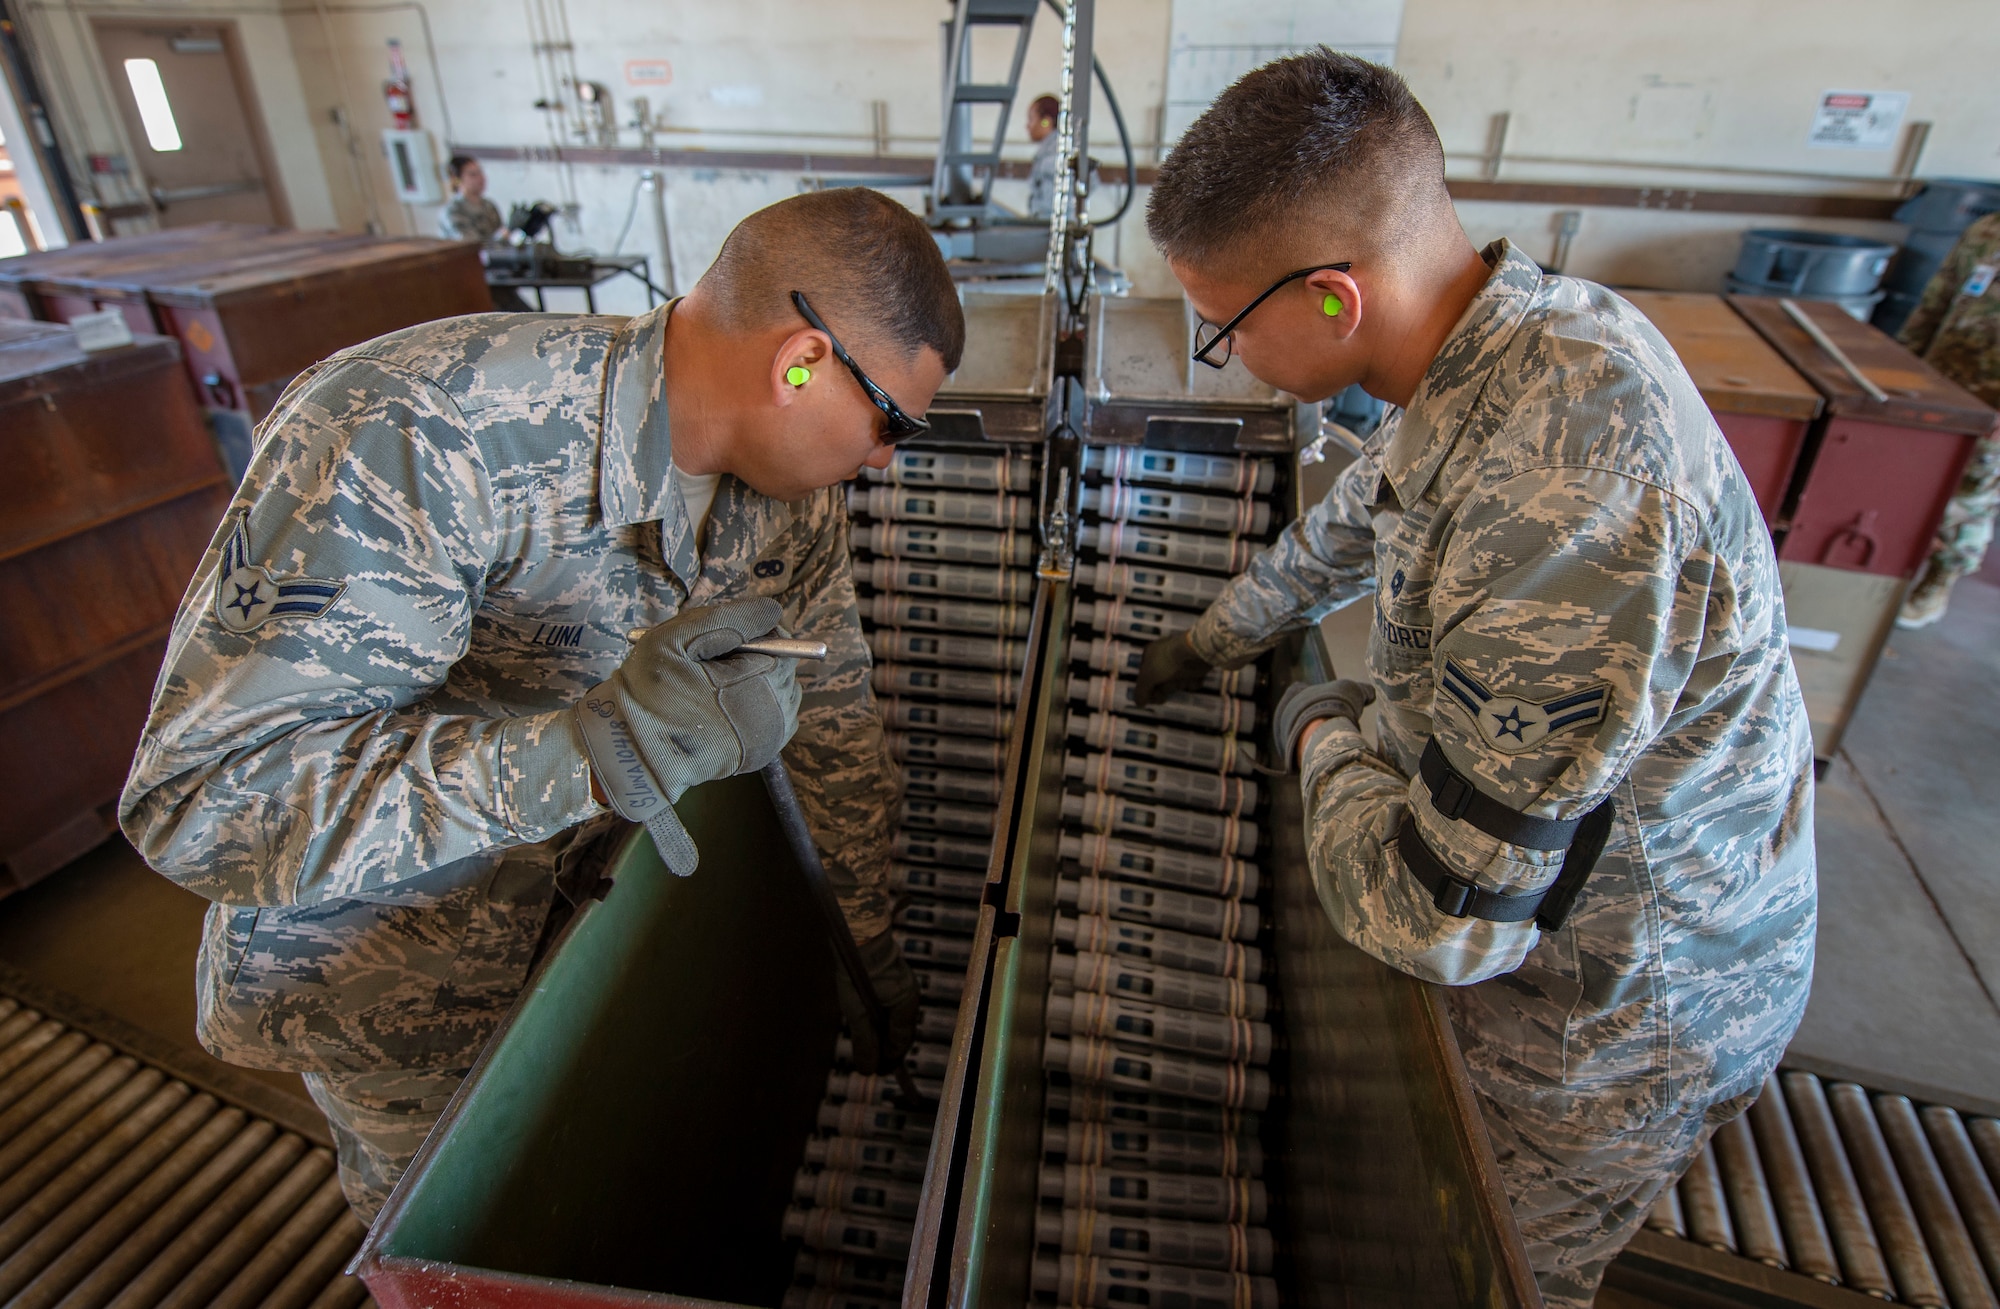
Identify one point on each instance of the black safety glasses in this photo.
(901, 426)
(1207, 336)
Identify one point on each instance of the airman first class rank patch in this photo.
(247, 596)
(1512, 724)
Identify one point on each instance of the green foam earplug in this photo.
(798, 376)
(1330, 306)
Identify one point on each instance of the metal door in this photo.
(194, 130)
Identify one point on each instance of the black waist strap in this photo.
(1457, 898)
(1456, 798)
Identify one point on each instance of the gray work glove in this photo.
(682, 710)
(896, 987)
(1305, 703)
(1169, 665)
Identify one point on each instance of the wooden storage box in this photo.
(1759, 401)
(1877, 473)
(1839, 621)
(112, 496)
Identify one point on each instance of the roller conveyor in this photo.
(1839, 1187)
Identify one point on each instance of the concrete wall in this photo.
(1611, 92)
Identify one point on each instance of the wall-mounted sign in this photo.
(1857, 120)
(648, 72)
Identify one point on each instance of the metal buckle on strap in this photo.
(1452, 896)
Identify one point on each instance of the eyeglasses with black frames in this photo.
(901, 426)
(1207, 336)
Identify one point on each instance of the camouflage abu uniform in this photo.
(1576, 596)
(360, 749)
(1956, 329)
(466, 219)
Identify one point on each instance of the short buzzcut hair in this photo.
(868, 265)
(1314, 138)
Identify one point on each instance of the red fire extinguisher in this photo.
(402, 106)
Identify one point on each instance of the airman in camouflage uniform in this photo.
(470, 218)
(1956, 329)
(1576, 600)
(360, 747)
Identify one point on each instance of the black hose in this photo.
(1124, 136)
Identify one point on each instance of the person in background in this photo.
(472, 217)
(1043, 115)
(469, 216)
(1956, 329)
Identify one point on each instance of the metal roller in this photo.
(341, 1293)
(17, 1023)
(1862, 1264)
(184, 1229)
(1750, 1206)
(1705, 1206)
(45, 1149)
(74, 1198)
(1229, 474)
(61, 1083)
(285, 1249)
(1888, 1204)
(318, 1269)
(34, 1035)
(1665, 1215)
(245, 1235)
(1109, 974)
(62, 1254)
(1985, 1134)
(48, 1058)
(27, 1137)
(79, 1117)
(1977, 1202)
(1172, 949)
(1101, 854)
(1944, 1230)
(1806, 1238)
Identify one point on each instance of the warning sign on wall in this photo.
(1858, 120)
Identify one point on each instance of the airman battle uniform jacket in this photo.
(1576, 599)
(360, 748)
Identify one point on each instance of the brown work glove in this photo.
(1169, 665)
(896, 987)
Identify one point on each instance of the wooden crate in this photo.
(113, 495)
(1760, 402)
(1876, 474)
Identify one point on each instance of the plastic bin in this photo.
(1778, 261)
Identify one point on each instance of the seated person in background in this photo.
(469, 216)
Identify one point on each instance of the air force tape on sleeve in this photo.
(629, 784)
